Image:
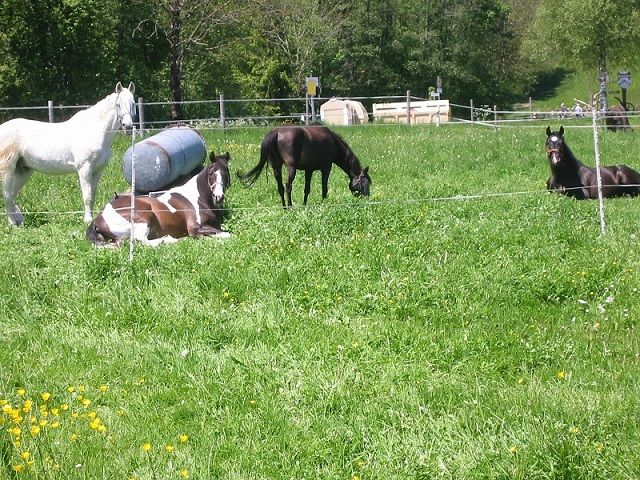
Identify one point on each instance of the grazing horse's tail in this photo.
(268, 148)
(9, 147)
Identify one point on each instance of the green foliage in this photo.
(414, 334)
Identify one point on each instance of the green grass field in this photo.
(418, 333)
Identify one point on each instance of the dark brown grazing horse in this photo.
(194, 209)
(308, 148)
(617, 120)
(570, 177)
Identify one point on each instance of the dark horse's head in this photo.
(360, 183)
(218, 176)
(555, 146)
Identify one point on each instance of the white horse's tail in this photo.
(9, 147)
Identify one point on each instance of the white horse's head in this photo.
(125, 106)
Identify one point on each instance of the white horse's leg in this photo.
(85, 175)
(14, 180)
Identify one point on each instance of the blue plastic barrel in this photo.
(165, 156)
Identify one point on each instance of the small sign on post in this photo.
(313, 85)
(624, 80)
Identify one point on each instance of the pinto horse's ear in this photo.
(132, 87)
(561, 131)
(226, 156)
(118, 87)
(212, 156)
(548, 131)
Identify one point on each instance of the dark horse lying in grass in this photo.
(570, 177)
(194, 209)
(308, 148)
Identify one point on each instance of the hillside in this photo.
(583, 84)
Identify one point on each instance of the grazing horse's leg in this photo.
(85, 174)
(277, 172)
(14, 180)
(325, 181)
(307, 184)
(290, 178)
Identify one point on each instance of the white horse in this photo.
(81, 144)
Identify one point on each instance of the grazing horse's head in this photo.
(125, 106)
(218, 176)
(360, 184)
(555, 146)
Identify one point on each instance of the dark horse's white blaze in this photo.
(193, 209)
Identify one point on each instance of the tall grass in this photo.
(419, 333)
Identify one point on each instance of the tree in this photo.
(186, 25)
(581, 34)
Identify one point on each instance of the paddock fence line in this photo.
(226, 113)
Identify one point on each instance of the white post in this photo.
(141, 115)
(50, 107)
(133, 193)
(438, 116)
(408, 107)
(495, 117)
(222, 113)
(471, 108)
(596, 144)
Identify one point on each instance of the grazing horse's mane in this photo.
(350, 157)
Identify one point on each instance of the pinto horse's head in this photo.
(125, 106)
(555, 146)
(360, 184)
(218, 176)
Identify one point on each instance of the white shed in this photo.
(343, 112)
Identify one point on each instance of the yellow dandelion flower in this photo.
(520, 381)
(146, 447)
(183, 438)
(102, 428)
(82, 388)
(169, 448)
(92, 414)
(85, 402)
(16, 431)
(43, 422)
(184, 473)
(35, 430)
(64, 407)
(513, 449)
(600, 447)
(27, 406)
(55, 412)
(561, 375)
(46, 396)
(17, 468)
(103, 388)
(355, 477)
(17, 443)
(574, 430)
(6, 407)
(25, 455)
(74, 437)
(94, 424)
(55, 424)
(21, 392)
(71, 389)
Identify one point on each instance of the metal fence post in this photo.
(222, 115)
(408, 107)
(471, 108)
(50, 107)
(141, 116)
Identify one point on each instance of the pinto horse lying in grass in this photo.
(570, 177)
(194, 209)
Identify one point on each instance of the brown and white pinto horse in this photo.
(194, 209)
